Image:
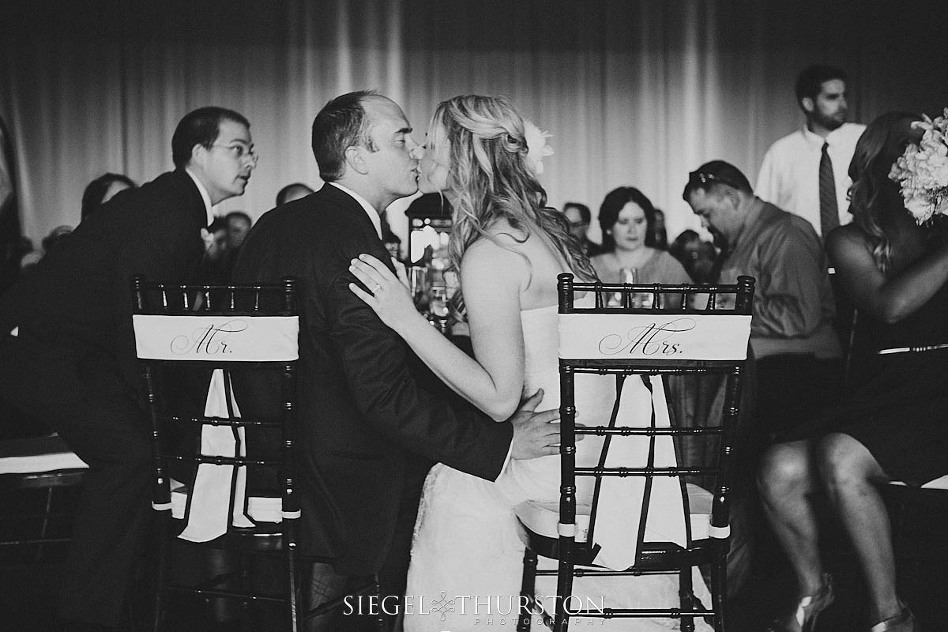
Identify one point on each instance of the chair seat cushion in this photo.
(544, 522)
(37, 454)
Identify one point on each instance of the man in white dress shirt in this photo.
(794, 166)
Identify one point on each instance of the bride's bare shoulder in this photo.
(499, 254)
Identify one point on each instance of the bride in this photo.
(508, 248)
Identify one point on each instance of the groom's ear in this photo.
(355, 159)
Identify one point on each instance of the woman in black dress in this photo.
(894, 425)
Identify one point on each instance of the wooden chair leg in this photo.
(719, 590)
(247, 624)
(292, 581)
(44, 526)
(686, 595)
(162, 529)
(527, 590)
(564, 590)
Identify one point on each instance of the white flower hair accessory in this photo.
(537, 147)
(922, 170)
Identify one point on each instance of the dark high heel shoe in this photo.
(803, 617)
(902, 622)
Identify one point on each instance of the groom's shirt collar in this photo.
(369, 210)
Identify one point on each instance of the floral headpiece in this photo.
(923, 170)
(537, 147)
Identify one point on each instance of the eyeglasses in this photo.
(699, 178)
(240, 151)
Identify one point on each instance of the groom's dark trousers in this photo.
(367, 426)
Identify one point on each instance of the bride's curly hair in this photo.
(873, 197)
(490, 177)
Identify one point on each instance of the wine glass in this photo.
(418, 286)
(438, 309)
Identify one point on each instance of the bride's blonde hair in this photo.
(490, 177)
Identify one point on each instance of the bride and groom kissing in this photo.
(370, 422)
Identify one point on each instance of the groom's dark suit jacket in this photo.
(363, 413)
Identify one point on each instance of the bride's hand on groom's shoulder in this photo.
(388, 294)
(535, 433)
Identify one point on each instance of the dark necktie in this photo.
(829, 209)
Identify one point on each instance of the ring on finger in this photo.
(376, 288)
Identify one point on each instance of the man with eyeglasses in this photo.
(796, 354)
(67, 349)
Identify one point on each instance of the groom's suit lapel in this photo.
(352, 215)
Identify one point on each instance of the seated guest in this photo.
(67, 349)
(796, 350)
(237, 225)
(292, 192)
(101, 190)
(696, 255)
(579, 217)
(893, 424)
(659, 230)
(627, 219)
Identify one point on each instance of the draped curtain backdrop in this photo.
(634, 92)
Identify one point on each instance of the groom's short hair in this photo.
(341, 124)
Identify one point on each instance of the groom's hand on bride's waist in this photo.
(535, 433)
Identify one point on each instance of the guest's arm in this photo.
(886, 298)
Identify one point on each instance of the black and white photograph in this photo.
(473, 315)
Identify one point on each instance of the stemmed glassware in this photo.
(418, 286)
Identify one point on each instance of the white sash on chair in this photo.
(210, 494)
(621, 498)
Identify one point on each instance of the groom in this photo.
(368, 428)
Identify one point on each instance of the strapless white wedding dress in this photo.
(467, 552)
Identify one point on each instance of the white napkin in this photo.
(620, 498)
(210, 494)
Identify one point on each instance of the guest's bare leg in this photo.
(787, 483)
(848, 470)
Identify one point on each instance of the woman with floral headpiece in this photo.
(508, 248)
(894, 425)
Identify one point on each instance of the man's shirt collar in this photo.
(817, 140)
